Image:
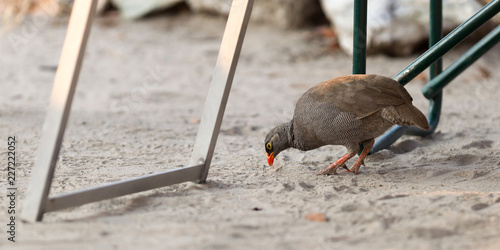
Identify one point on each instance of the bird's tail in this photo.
(414, 115)
(405, 115)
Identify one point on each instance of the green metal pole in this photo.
(434, 86)
(448, 42)
(359, 37)
(359, 41)
(435, 35)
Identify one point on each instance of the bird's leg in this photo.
(361, 159)
(332, 169)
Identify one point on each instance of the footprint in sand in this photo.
(306, 186)
(432, 232)
(482, 144)
(479, 206)
(405, 146)
(464, 159)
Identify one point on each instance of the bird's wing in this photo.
(362, 95)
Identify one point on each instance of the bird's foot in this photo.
(354, 168)
(362, 156)
(332, 169)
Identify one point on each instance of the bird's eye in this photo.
(269, 146)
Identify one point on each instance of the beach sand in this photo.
(137, 109)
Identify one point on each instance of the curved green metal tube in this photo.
(433, 89)
(436, 33)
(448, 42)
(434, 86)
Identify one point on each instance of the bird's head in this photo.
(277, 140)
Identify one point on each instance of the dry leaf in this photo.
(317, 217)
(421, 77)
(485, 73)
(326, 31)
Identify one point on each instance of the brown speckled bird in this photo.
(348, 111)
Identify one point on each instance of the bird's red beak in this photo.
(270, 158)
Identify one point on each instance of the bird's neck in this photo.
(297, 143)
(289, 133)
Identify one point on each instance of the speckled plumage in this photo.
(349, 111)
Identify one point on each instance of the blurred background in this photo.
(395, 27)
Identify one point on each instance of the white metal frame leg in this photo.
(37, 200)
(221, 85)
(59, 108)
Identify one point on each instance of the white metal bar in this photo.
(37, 201)
(120, 188)
(222, 79)
(59, 109)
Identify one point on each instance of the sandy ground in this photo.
(136, 111)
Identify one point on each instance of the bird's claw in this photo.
(353, 169)
(332, 170)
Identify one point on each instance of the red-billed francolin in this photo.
(349, 111)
